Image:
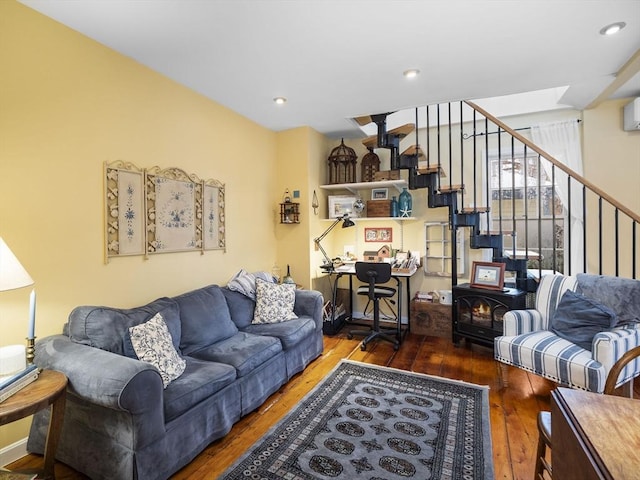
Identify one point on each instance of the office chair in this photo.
(375, 274)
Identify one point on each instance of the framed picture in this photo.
(379, 194)
(340, 204)
(487, 275)
(378, 234)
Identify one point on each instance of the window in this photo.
(524, 200)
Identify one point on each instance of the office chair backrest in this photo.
(373, 273)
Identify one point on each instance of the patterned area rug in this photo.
(368, 422)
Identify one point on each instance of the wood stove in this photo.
(478, 312)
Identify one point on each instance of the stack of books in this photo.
(11, 384)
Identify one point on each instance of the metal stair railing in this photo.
(609, 237)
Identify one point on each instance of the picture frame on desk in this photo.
(488, 275)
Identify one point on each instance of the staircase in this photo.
(450, 148)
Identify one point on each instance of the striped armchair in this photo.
(528, 343)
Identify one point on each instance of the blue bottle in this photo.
(405, 203)
(394, 207)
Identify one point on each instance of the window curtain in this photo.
(562, 141)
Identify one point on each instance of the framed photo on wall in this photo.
(340, 204)
(379, 194)
(378, 234)
(487, 275)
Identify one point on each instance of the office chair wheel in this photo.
(350, 336)
(363, 347)
(396, 346)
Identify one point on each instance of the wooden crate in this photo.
(386, 175)
(431, 319)
(378, 208)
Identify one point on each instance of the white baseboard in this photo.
(13, 452)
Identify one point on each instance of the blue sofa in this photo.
(120, 423)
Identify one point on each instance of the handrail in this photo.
(601, 193)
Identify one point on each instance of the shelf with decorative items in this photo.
(381, 206)
(289, 213)
(356, 187)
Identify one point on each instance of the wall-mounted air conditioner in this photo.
(632, 115)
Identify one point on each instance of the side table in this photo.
(48, 390)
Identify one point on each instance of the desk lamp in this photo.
(327, 266)
(14, 276)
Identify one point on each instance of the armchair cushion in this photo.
(578, 319)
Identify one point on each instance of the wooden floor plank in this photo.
(515, 397)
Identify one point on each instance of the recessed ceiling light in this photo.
(613, 28)
(280, 100)
(412, 73)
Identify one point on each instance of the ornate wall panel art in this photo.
(158, 210)
(125, 225)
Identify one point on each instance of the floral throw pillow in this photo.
(274, 302)
(152, 343)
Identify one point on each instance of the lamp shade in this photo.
(12, 273)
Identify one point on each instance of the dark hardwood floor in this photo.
(515, 398)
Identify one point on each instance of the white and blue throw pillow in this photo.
(274, 302)
(152, 343)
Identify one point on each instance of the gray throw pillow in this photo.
(579, 318)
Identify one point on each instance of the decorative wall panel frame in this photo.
(157, 210)
(125, 210)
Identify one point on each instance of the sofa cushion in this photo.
(579, 318)
(274, 302)
(107, 327)
(200, 380)
(240, 307)
(290, 333)
(205, 318)
(245, 283)
(244, 351)
(151, 342)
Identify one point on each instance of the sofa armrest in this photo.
(517, 322)
(102, 377)
(609, 347)
(309, 303)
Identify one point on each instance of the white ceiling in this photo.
(338, 59)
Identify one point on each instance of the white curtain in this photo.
(562, 141)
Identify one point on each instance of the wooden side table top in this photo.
(34, 397)
(607, 429)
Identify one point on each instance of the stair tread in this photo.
(522, 254)
(402, 131)
(432, 169)
(413, 150)
(366, 119)
(450, 188)
(475, 209)
(498, 232)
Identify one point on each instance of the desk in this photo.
(350, 270)
(48, 390)
(594, 436)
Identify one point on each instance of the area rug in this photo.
(369, 422)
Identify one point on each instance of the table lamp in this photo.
(346, 222)
(14, 276)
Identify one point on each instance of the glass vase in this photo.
(405, 203)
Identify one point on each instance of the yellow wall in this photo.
(67, 104)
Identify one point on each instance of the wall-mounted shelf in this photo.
(376, 219)
(355, 187)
